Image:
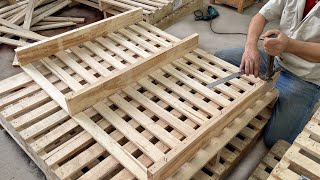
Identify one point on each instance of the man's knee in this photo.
(232, 56)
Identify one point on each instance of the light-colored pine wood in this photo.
(63, 41)
(126, 159)
(80, 100)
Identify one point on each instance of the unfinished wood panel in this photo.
(303, 157)
(270, 161)
(71, 149)
(82, 99)
(202, 162)
(61, 42)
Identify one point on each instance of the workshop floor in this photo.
(15, 164)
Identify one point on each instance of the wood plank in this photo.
(129, 132)
(140, 41)
(126, 159)
(49, 88)
(29, 11)
(115, 49)
(147, 123)
(185, 94)
(163, 114)
(61, 74)
(63, 41)
(85, 98)
(90, 61)
(52, 26)
(24, 34)
(197, 86)
(54, 9)
(103, 55)
(159, 31)
(64, 57)
(121, 40)
(178, 156)
(12, 42)
(186, 110)
(63, 19)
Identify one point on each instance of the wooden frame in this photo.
(206, 156)
(61, 42)
(239, 4)
(270, 161)
(168, 105)
(302, 158)
(87, 97)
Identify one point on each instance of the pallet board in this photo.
(269, 162)
(174, 17)
(239, 4)
(303, 157)
(142, 128)
(154, 12)
(234, 145)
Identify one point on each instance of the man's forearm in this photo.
(255, 30)
(305, 50)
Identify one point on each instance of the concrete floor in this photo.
(15, 164)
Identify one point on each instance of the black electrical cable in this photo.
(229, 33)
(199, 13)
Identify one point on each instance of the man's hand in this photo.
(251, 61)
(275, 46)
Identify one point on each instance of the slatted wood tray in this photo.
(303, 157)
(145, 125)
(225, 151)
(269, 162)
(153, 10)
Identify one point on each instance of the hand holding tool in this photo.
(270, 65)
(266, 77)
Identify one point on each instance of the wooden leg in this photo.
(241, 6)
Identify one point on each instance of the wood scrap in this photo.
(52, 26)
(20, 20)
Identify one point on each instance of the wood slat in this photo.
(126, 159)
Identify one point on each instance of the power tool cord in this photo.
(196, 13)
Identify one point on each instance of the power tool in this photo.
(212, 13)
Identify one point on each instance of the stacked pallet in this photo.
(161, 13)
(302, 160)
(239, 4)
(269, 162)
(225, 151)
(128, 101)
(22, 19)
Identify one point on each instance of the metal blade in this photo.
(224, 80)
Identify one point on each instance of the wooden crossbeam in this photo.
(87, 97)
(63, 41)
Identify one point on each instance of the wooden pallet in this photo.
(239, 4)
(303, 157)
(153, 11)
(145, 123)
(179, 14)
(228, 148)
(269, 162)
